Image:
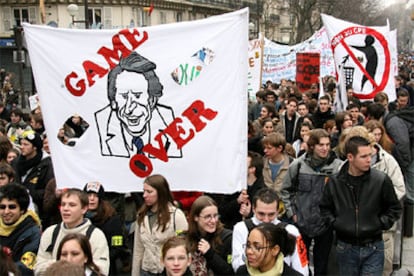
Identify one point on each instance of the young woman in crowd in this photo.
(300, 145)
(12, 154)
(176, 257)
(5, 147)
(267, 126)
(268, 111)
(266, 246)
(157, 220)
(343, 120)
(75, 248)
(210, 242)
(104, 216)
(380, 135)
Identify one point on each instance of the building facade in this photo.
(270, 17)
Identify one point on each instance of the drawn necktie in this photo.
(137, 141)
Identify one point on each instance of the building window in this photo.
(163, 18)
(179, 17)
(95, 17)
(145, 19)
(20, 15)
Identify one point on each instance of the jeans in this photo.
(360, 260)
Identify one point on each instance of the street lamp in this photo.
(73, 10)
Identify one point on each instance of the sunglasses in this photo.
(11, 206)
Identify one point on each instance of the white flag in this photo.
(168, 99)
(364, 52)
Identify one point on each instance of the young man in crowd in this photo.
(73, 206)
(34, 169)
(289, 120)
(302, 192)
(323, 113)
(360, 202)
(275, 162)
(19, 227)
(265, 210)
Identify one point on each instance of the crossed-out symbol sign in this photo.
(339, 39)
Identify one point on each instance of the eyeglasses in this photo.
(255, 248)
(11, 206)
(210, 217)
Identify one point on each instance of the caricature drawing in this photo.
(133, 116)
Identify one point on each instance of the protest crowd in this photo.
(326, 192)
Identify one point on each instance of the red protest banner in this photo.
(307, 70)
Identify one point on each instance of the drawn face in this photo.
(134, 110)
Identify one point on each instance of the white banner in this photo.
(279, 61)
(365, 55)
(394, 51)
(255, 66)
(168, 99)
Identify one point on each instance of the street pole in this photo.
(85, 2)
(18, 36)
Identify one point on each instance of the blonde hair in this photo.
(352, 132)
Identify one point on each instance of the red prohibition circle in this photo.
(339, 39)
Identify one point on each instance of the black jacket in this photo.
(359, 208)
(219, 260)
(36, 181)
(320, 118)
(229, 207)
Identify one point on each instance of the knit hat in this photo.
(34, 138)
(95, 187)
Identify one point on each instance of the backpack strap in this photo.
(295, 180)
(283, 224)
(54, 237)
(56, 233)
(249, 224)
(90, 230)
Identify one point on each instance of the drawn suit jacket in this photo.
(113, 137)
